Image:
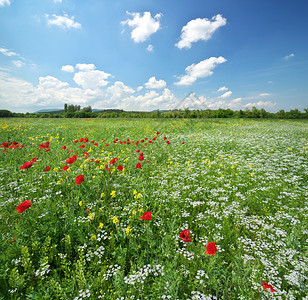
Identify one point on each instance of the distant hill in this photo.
(51, 110)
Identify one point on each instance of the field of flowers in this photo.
(153, 209)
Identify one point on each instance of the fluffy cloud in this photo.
(68, 68)
(7, 52)
(5, 2)
(150, 48)
(225, 95)
(85, 67)
(119, 91)
(64, 21)
(264, 94)
(288, 56)
(143, 26)
(261, 104)
(200, 70)
(18, 63)
(139, 88)
(222, 89)
(199, 29)
(91, 79)
(155, 84)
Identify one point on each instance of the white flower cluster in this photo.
(201, 274)
(186, 254)
(83, 294)
(196, 295)
(44, 269)
(145, 271)
(99, 252)
(112, 270)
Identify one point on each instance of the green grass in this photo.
(239, 183)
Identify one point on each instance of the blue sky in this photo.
(146, 54)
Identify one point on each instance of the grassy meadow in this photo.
(241, 184)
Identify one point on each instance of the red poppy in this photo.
(183, 143)
(79, 179)
(120, 168)
(184, 235)
(107, 145)
(97, 161)
(81, 140)
(22, 146)
(138, 150)
(141, 158)
(142, 141)
(157, 132)
(85, 140)
(3, 151)
(139, 166)
(168, 142)
(92, 142)
(26, 165)
(85, 155)
(72, 159)
(47, 169)
(5, 145)
(137, 143)
(82, 146)
(146, 216)
(165, 138)
(64, 147)
(267, 287)
(47, 150)
(148, 161)
(107, 169)
(76, 141)
(65, 168)
(34, 159)
(12, 240)
(211, 248)
(113, 161)
(15, 143)
(23, 206)
(96, 144)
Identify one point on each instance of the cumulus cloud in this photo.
(150, 48)
(85, 67)
(264, 94)
(261, 104)
(143, 26)
(64, 21)
(5, 2)
(225, 95)
(68, 68)
(139, 88)
(119, 91)
(199, 29)
(18, 63)
(155, 84)
(200, 70)
(93, 79)
(222, 89)
(288, 56)
(7, 52)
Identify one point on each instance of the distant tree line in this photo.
(75, 111)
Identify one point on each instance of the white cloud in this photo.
(7, 52)
(199, 29)
(64, 21)
(200, 70)
(143, 26)
(155, 84)
(68, 68)
(57, 1)
(261, 104)
(139, 88)
(85, 67)
(150, 48)
(222, 89)
(119, 91)
(93, 79)
(225, 95)
(18, 63)
(264, 94)
(5, 2)
(288, 56)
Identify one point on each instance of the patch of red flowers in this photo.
(138, 166)
(146, 216)
(26, 165)
(184, 235)
(113, 161)
(72, 159)
(23, 206)
(79, 179)
(65, 168)
(120, 168)
(267, 287)
(211, 248)
(47, 169)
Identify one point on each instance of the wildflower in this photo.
(128, 230)
(103, 195)
(93, 237)
(120, 168)
(115, 220)
(146, 216)
(113, 194)
(113, 161)
(91, 216)
(26, 165)
(139, 166)
(184, 235)
(267, 287)
(47, 169)
(65, 168)
(211, 248)
(72, 159)
(23, 206)
(100, 225)
(80, 203)
(79, 179)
